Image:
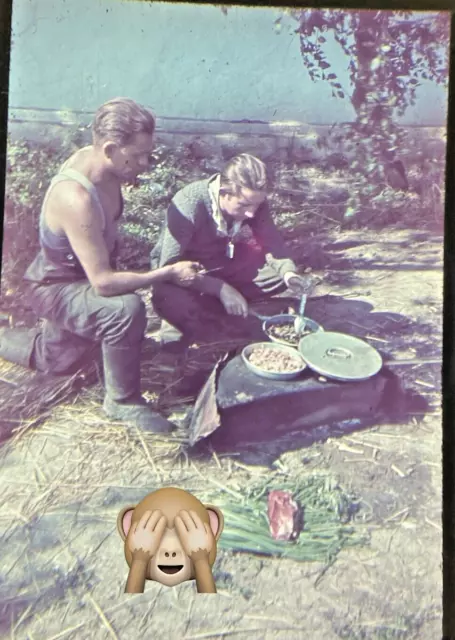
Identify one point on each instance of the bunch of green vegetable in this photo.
(327, 519)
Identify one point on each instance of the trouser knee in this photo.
(183, 308)
(127, 322)
(173, 303)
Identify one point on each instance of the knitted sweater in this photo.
(190, 233)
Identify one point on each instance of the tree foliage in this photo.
(389, 54)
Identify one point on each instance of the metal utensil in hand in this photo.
(204, 272)
(299, 322)
(259, 316)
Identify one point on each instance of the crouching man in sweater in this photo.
(73, 284)
(225, 224)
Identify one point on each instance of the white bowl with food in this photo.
(273, 361)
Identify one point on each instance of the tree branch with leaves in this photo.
(389, 54)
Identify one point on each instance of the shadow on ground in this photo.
(416, 251)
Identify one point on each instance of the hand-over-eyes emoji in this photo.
(170, 537)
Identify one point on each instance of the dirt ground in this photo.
(64, 482)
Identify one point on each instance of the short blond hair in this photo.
(243, 171)
(120, 119)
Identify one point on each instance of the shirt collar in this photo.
(219, 219)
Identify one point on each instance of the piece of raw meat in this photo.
(284, 515)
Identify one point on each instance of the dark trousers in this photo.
(78, 322)
(189, 316)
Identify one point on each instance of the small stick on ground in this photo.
(398, 471)
(361, 442)
(23, 616)
(13, 384)
(398, 513)
(104, 620)
(149, 457)
(424, 384)
(344, 447)
(218, 484)
(231, 632)
(217, 460)
(433, 524)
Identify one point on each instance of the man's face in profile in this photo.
(131, 160)
(242, 205)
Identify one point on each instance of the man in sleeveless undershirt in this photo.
(73, 283)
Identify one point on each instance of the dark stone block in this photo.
(254, 409)
(259, 419)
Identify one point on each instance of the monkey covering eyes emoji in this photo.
(170, 537)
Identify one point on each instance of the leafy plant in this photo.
(389, 54)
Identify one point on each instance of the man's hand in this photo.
(145, 535)
(233, 301)
(300, 285)
(195, 535)
(184, 273)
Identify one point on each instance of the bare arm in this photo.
(80, 222)
(137, 573)
(203, 572)
(231, 299)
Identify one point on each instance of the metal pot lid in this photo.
(340, 356)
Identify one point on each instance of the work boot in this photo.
(16, 345)
(123, 400)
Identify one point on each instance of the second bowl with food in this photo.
(280, 329)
